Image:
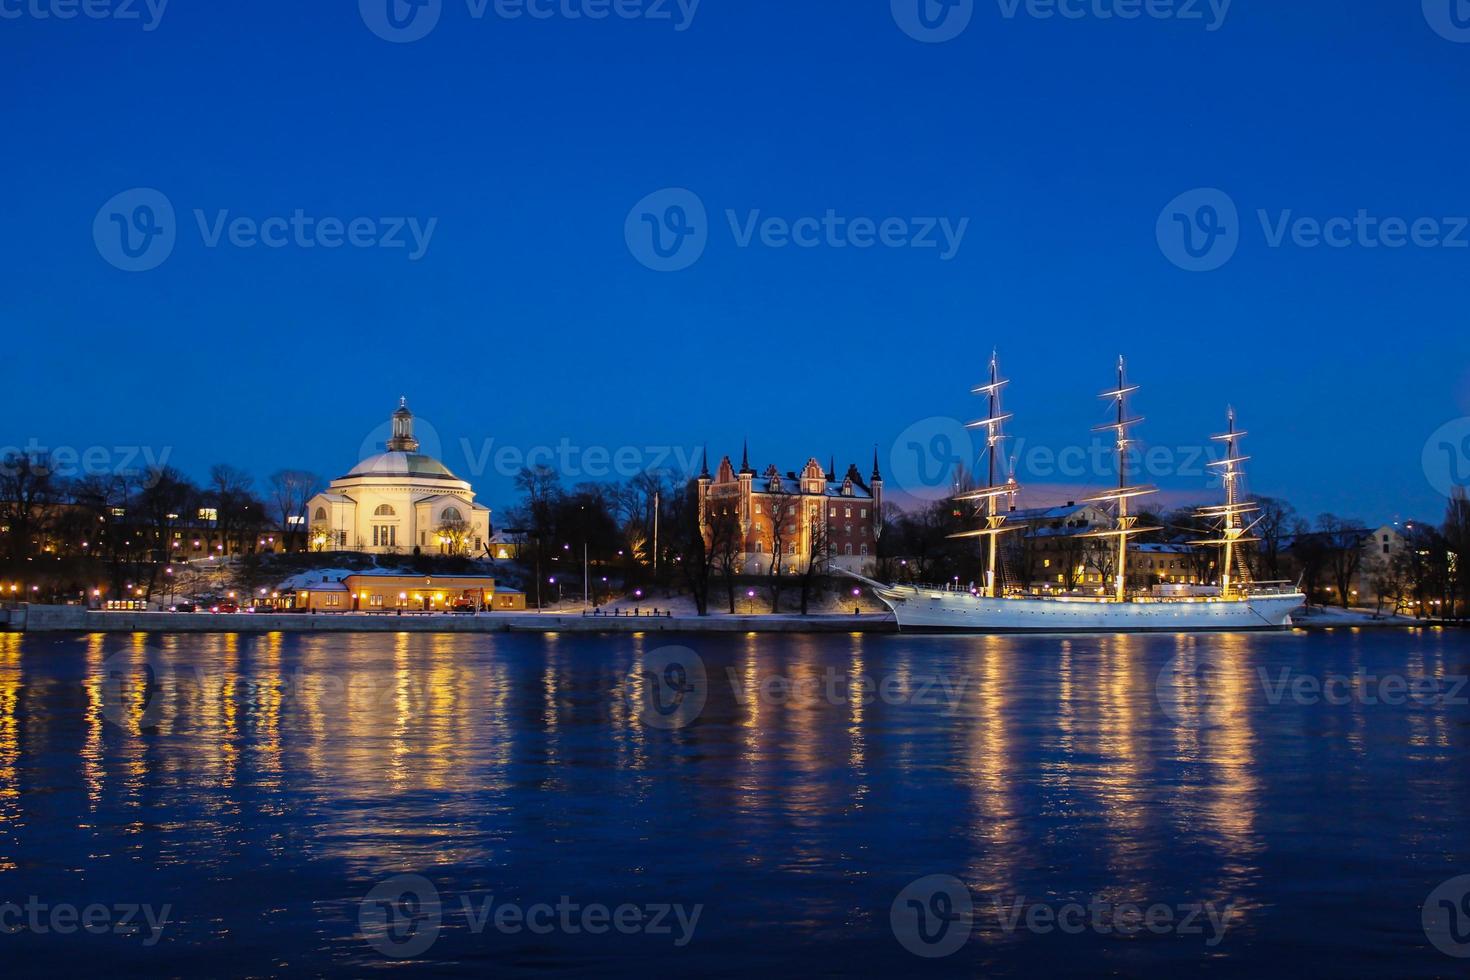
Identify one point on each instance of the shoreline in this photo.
(75, 619)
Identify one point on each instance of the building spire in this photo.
(745, 457)
(877, 476)
(704, 466)
(403, 440)
(832, 469)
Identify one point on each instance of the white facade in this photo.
(397, 501)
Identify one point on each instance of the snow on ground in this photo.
(1333, 615)
(305, 580)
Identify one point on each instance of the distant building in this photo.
(408, 593)
(399, 501)
(793, 511)
(1059, 556)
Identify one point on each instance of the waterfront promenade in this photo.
(73, 619)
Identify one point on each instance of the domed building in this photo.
(397, 501)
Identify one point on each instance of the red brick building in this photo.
(795, 513)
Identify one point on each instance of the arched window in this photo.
(385, 510)
(321, 514)
(451, 515)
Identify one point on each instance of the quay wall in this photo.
(76, 619)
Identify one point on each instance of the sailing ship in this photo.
(993, 606)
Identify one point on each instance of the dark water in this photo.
(265, 785)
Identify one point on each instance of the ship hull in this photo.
(938, 611)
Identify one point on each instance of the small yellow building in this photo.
(409, 593)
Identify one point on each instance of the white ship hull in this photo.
(936, 610)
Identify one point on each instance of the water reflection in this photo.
(823, 774)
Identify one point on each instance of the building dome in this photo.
(400, 500)
(403, 464)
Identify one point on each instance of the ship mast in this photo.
(1233, 511)
(990, 497)
(1127, 525)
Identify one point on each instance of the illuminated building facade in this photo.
(399, 502)
(796, 513)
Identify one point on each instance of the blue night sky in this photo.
(528, 319)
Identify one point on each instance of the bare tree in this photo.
(818, 555)
(1456, 530)
(782, 504)
(696, 557)
(1273, 526)
(27, 491)
(727, 550)
(291, 490)
(1343, 541)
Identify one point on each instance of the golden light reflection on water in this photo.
(1225, 794)
(398, 751)
(996, 819)
(10, 747)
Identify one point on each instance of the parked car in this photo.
(183, 607)
(262, 609)
(226, 607)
